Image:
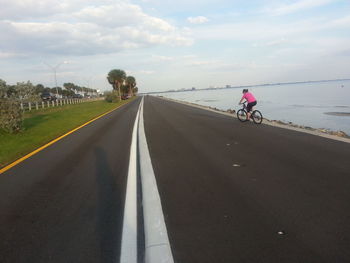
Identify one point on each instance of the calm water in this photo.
(304, 104)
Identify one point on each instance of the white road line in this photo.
(157, 245)
(156, 237)
(128, 253)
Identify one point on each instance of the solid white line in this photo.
(156, 237)
(128, 253)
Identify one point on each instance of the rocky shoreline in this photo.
(278, 123)
(291, 124)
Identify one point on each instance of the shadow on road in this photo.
(108, 209)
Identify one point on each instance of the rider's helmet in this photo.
(245, 90)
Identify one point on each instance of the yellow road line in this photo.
(53, 141)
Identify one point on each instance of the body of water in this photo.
(315, 104)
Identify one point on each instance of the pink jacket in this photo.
(249, 97)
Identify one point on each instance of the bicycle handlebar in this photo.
(244, 104)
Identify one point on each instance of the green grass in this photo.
(42, 126)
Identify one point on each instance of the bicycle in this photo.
(242, 114)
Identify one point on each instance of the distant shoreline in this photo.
(340, 114)
(248, 86)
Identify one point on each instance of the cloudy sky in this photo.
(174, 44)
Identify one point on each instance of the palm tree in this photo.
(131, 83)
(116, 78)
(124, 89)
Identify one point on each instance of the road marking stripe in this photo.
(128, 253)
(53, 141)
(157, 243)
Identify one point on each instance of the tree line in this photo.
(11, 97)
(71, 89)
(68, 90)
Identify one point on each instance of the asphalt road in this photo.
(65, 204)
(230, 191)
(239, 192)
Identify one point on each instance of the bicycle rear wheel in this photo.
(242, 115)
(257, 117)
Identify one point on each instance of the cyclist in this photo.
(249, 97)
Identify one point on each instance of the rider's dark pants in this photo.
(250, 105)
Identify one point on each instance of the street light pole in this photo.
(54, 69)
(88, 83)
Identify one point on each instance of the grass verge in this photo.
(42, 126)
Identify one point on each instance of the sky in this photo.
(178, 44)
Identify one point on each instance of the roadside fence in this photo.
(28, 106)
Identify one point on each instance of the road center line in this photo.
(157, 243)
(128, 253)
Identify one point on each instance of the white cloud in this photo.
(271, 33)
(162, 58)
(340, 22)
(5, 55)
(273, 43)
(197, 20)
(202, 63)
(146, 72)
(89, 30)
(297, 6)
(122, 14)
(211, 65)
(23, 9)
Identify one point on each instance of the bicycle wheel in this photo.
(242, 115)
(257, 117)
